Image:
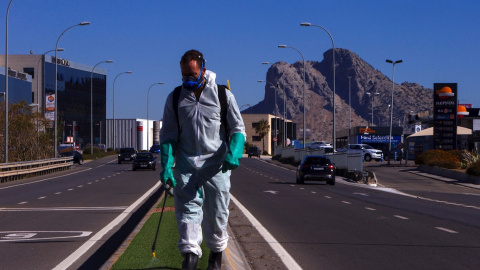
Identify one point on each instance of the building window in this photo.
(254, 125)
(29, 71)
(256, 138)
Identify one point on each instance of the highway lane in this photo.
(354, 226)
(45, 219)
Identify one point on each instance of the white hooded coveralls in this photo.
(202, 193)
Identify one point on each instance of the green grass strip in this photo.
(138, 254)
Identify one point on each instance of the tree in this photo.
(262, 128)
(28, 136)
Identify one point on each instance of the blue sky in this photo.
(438, 41)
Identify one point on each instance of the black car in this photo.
(126, 153)
(254, 151)
(77, 157)
(316, 168)
(155, 149)
(144, 160)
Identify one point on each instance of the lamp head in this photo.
(260, 81)
(305, 24)
(84, 23)
(389, 61)
(282, 46)
(109, 61)
(398, 61)
(128, 72)
(60, 49)
(265, 63)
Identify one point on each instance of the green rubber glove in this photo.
(167, 153)
(235, 152)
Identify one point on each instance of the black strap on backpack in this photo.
(222, 97)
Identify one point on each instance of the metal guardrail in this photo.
(19, 170)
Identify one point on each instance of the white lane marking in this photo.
(289, 262)
(400, 217)
(302, 188)
(89, 183)
(445, 230)
(328, 197)
(80, 186)
(43, 209)
(22, 202)
(41, 198)
(371, 209)
(363, 194)
(103, 178)
(292, 185)
(97, 237)
(56, 193)
(70, 189)
(45, 179)
(345, 202)
(16, 236)
(271, 191)
(314, 192)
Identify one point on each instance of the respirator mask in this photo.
(192, 83)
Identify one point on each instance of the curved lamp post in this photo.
(148, 126)
(114, 133)
(333, 51)
(6, 84)
(91, 103)
(391, 109)
(285, 46)
(56, 70)
(276, 109)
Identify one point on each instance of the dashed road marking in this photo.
(371, 209)
(22, 202)
(400, 217)
(328, 197)
(56, 193)
(445, 230)
(345, 202)
(314, 192)
(80, 186)
(41, 198)
(70, 189)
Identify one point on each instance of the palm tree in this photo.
(262, 130)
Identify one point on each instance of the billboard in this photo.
(50, 103)
(445, 116)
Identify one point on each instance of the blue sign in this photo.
(378, 139)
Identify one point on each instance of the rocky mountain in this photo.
(319, 94)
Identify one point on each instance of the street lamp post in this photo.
(304, 108)
(56, 70)
(148, 127)
(114, 133)
(391, 109)
(6, 84)
(334, 90)
(276, 109)
(91, 103)
(372, 95)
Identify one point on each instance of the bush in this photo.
(474, 168)
(440, 158)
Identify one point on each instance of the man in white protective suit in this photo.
(203, 135)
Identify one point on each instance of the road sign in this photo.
(400, 145)
(274, 139)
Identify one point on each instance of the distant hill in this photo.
(319, 84)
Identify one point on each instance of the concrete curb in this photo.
(460, 176)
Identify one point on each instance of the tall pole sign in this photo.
(445, 116)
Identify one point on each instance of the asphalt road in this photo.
(407, 222)
(64, 219)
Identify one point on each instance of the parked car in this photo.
(318, 168)
(126, 153)
(77, 156)
(369, 152)
(155, 149)
(254, 151)
(319, 144)
(144, 160)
